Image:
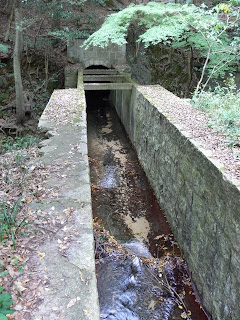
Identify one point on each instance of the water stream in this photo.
(124, 200)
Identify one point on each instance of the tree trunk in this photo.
(20, 107)
(6, 38)
(189, 70)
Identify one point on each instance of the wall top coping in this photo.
(63, 107)
(193, 124)
(64, 120)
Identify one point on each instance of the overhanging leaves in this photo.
(183, 26)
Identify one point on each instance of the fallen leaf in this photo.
(54, 308)
(72, 302)
(19, 287)
(184, 315)
(159, 237)
(18, 307)
(41, 254)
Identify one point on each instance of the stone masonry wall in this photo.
(201, 204)
(108, 57)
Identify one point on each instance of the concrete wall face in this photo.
(108, 57)
(71, 76)
(201, 205)
(64, 118)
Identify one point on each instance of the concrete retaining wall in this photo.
(71, 279)
(108, 57)
(201, 204)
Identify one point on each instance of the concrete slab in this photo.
(103, 78)
(100, 71)
(108, 86)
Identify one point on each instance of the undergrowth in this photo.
(17, 143)
(223, 105)
(5, 304)
(9, 222)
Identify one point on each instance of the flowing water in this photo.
(124, 200)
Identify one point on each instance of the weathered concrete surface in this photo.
(107, 86)
(108, 57)
(72, 293)
(70, 76)
(202, 205)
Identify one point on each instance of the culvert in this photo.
(202, 204)
(145, 277)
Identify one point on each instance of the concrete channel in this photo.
(124, 202)
(188, 184)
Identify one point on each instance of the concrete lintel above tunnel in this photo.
(108, 57)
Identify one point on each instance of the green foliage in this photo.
(2, 65)
(18, 264)
(235, 2)
(5, 304)
(18, 143)
(3, 48)
(101, 2)
(223, 105)
(9, 224)
(182, 26)
(69, 35)
(13, 261)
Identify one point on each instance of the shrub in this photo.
(18, 143)
(223, 105)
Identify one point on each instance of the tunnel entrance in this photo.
(102, 78)
(98, 95)
(123, 201)
(94, 67)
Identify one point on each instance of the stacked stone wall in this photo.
(201, 203)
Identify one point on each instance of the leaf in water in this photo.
(159, 237)
(184, 315)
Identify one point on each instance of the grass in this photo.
(223, 105)
(10, 225)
